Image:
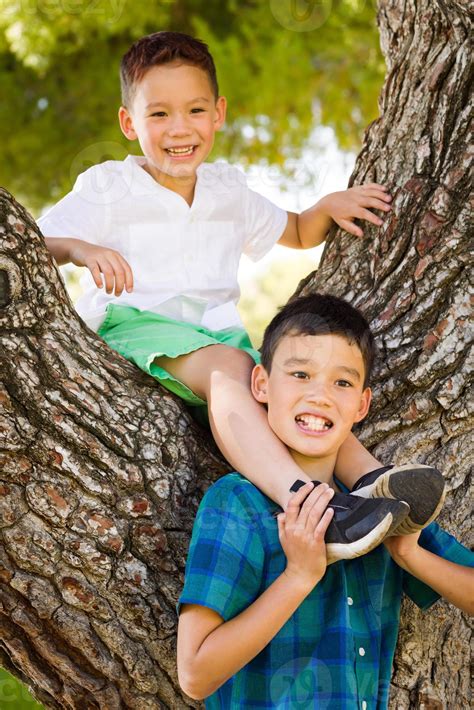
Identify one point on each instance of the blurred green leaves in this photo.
(284, 65)
(14, 695)
(271, 289)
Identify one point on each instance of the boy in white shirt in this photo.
(165, 232)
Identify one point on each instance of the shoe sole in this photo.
(421, 487)
(336, 551)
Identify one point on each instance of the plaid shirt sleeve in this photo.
(226, 553)
(441, 543)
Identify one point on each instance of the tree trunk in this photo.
(102, 472)
(102, 469)
(411, 279)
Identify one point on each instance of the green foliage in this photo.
(283, 65)
(14, 695)
(262, 296)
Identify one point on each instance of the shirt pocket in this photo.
(216, 254)
(154, 254)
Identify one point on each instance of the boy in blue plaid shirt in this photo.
(264, 621)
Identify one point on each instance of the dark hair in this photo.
(163, 48)
(320, 314)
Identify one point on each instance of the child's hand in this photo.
(402, 548)
(344, 207)
(302, 530)
(100, 260)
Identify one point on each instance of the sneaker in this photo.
(358, 524)
(422, 487)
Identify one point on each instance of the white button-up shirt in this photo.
(184, 259)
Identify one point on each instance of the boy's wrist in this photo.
(73, 246)
(299, 581)
(62, 248)
(410, 559)
(404, 551)
(323, 206)
(314, 224)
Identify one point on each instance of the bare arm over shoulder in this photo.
(211, 650)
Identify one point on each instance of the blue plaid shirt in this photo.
(336, 651)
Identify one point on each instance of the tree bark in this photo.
(411, 278)
(102, 470)
(101, 474)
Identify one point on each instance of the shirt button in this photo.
(364, 705)
(361, 651)
(350, 601)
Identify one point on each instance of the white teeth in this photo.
(181, 151)
(314, 423)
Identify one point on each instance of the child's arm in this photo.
(97, 259)
(452, 581)
(310, 228)
(210, 650)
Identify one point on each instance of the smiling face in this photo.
(314, 394)
(174, 115)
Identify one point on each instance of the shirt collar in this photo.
(210, 183)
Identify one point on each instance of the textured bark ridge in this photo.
(411, 279)
(102, 470)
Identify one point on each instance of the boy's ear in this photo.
(259, 384)
(365, 400)
(126, 124)
(221, 110)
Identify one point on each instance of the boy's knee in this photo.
(232, 361)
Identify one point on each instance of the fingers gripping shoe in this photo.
(422, 487)
(358, 524)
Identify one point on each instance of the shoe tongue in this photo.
(299, 484)
(339, 499)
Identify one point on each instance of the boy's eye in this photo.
(197, 110)
(300, 375)
(343, 383)
(160, 114)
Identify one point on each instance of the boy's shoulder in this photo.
(232, 484)
(105, 182)
(117, 167)
(234, 492)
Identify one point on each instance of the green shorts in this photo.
(142, 336)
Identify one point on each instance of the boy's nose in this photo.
(179, 131)
(179, 127)
(319, 395)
